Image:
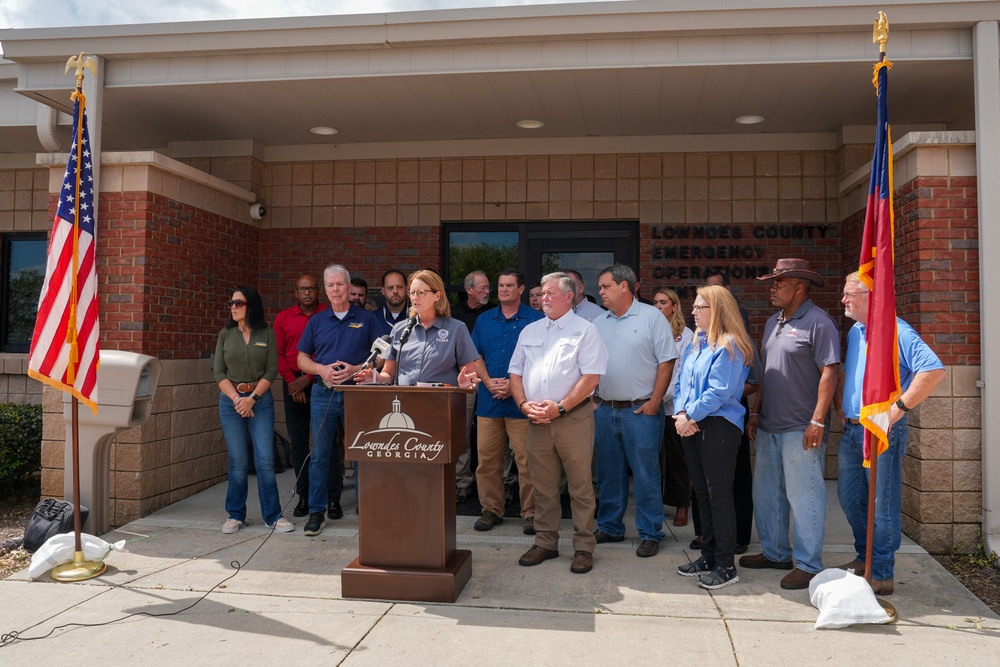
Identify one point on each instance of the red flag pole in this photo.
(881, 36)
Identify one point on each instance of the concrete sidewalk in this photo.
(285, 605)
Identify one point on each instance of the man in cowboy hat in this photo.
(801, 357)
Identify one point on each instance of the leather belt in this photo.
(618, 405)
(246, 387)
(853, 421)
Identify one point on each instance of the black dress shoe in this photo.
(603, 537)
(302, 508)
(741, 549)
(697, 543)
(334, 512)
(647, 548)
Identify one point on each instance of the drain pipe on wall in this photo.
(986, 73)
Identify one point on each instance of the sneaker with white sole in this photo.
(282, 525)
(718, 578)
(232, 526)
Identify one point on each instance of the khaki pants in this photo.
(567, 443)
(494, 432)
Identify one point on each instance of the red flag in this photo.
(64, 346)
(881, 382)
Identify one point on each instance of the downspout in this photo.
(45, 126)
(986, 72)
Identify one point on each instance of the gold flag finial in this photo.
(880, 31)
(80, 63)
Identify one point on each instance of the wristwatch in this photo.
(255, 397)
(562, 410)
(901, 405)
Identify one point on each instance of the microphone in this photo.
(407, 330)
(403, 337)
(379, 347)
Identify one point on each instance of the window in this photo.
(488, 248)
(22, 270)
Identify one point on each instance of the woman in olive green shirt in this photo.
(246, 363)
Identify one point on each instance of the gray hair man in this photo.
(557, 363)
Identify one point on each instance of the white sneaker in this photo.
(231, 526)
(282, 525)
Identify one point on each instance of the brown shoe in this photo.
(536, 555)
(882, 586)
(529, 526)
(856, 565)
(797, 579)
(583, 561)
(681, 518)
(761, 562)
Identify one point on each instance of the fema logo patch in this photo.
(442, 335)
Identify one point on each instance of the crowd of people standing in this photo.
(575, 399)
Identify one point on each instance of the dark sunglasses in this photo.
(239, 303)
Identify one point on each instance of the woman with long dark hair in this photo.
(246, 363)
(709, 418)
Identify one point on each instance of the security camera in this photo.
(257, 211)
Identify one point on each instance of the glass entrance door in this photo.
(583, 248)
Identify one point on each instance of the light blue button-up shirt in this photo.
(711, 382)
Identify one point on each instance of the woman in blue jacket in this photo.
(709, 418)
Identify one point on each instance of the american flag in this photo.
(64, 347)
(881, 382)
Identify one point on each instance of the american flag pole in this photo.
(79, 569)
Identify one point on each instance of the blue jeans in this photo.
(260, 430)
(326, 414)
(852, 488)
(621, 437)
(789, 480)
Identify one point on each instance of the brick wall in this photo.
(165, 272)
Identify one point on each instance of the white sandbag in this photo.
(59, 549)
(844, 599)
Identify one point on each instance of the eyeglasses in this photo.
(848, 295)
(699, 308)
(485, 288)
(420, 293)
(238, 303)
(305, 289)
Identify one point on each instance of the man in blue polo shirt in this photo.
(919, 372)
(498, 417)
(332, 348)
(629, 418)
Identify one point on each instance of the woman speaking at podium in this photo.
(431, 347)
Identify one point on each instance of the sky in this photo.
(50, 13)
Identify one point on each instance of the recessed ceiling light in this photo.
(322, 130)
(749, 120)
(530, 124)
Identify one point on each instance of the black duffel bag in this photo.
(51, 517)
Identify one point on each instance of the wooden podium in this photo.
(406, 441)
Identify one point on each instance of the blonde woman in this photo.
(676, 478)
(709, 418)
(437, 347)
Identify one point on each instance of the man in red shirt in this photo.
(288, 327)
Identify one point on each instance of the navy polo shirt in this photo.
(327, 338)
(495, 337)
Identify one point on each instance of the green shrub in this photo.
(20, 442)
